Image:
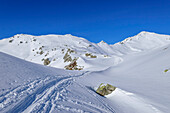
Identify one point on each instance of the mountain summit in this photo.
(62, 50)
(138, 68)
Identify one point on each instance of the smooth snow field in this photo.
(138, 66)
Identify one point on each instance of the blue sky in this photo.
(95, 20)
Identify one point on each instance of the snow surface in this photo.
(136, 66)
(141, 80)
(27, 87)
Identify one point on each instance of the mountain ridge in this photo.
(55, 48)
(139, 68)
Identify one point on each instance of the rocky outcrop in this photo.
(105, 89)
(46, 61)
(73, 65)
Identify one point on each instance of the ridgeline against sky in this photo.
(95, 20)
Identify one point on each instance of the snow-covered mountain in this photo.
(139, 67)
(143, 80)
(60, 50)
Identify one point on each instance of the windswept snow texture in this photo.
(143, 85)
(27, 87)
(138, 66)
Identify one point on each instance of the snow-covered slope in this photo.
(27, 87)
(143, 84)
(139, 67)
(55, 47)
(144, 41)
(89, 55)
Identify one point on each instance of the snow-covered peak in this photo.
(145, 32)
(55, 48)
(148, 35)
(102, 42)
(143, 41)
(28, 87)
(58, 50)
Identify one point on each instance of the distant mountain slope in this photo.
(144, 41)
(62, 51)
(143, 79)
(139, 67)
(57, 51)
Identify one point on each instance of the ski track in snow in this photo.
(98, 98)
(64, 94)
(44, 95)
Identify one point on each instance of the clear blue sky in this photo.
(95, 20)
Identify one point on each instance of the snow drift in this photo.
(138, 66)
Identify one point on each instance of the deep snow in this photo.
(27, 87)
(136, 66)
